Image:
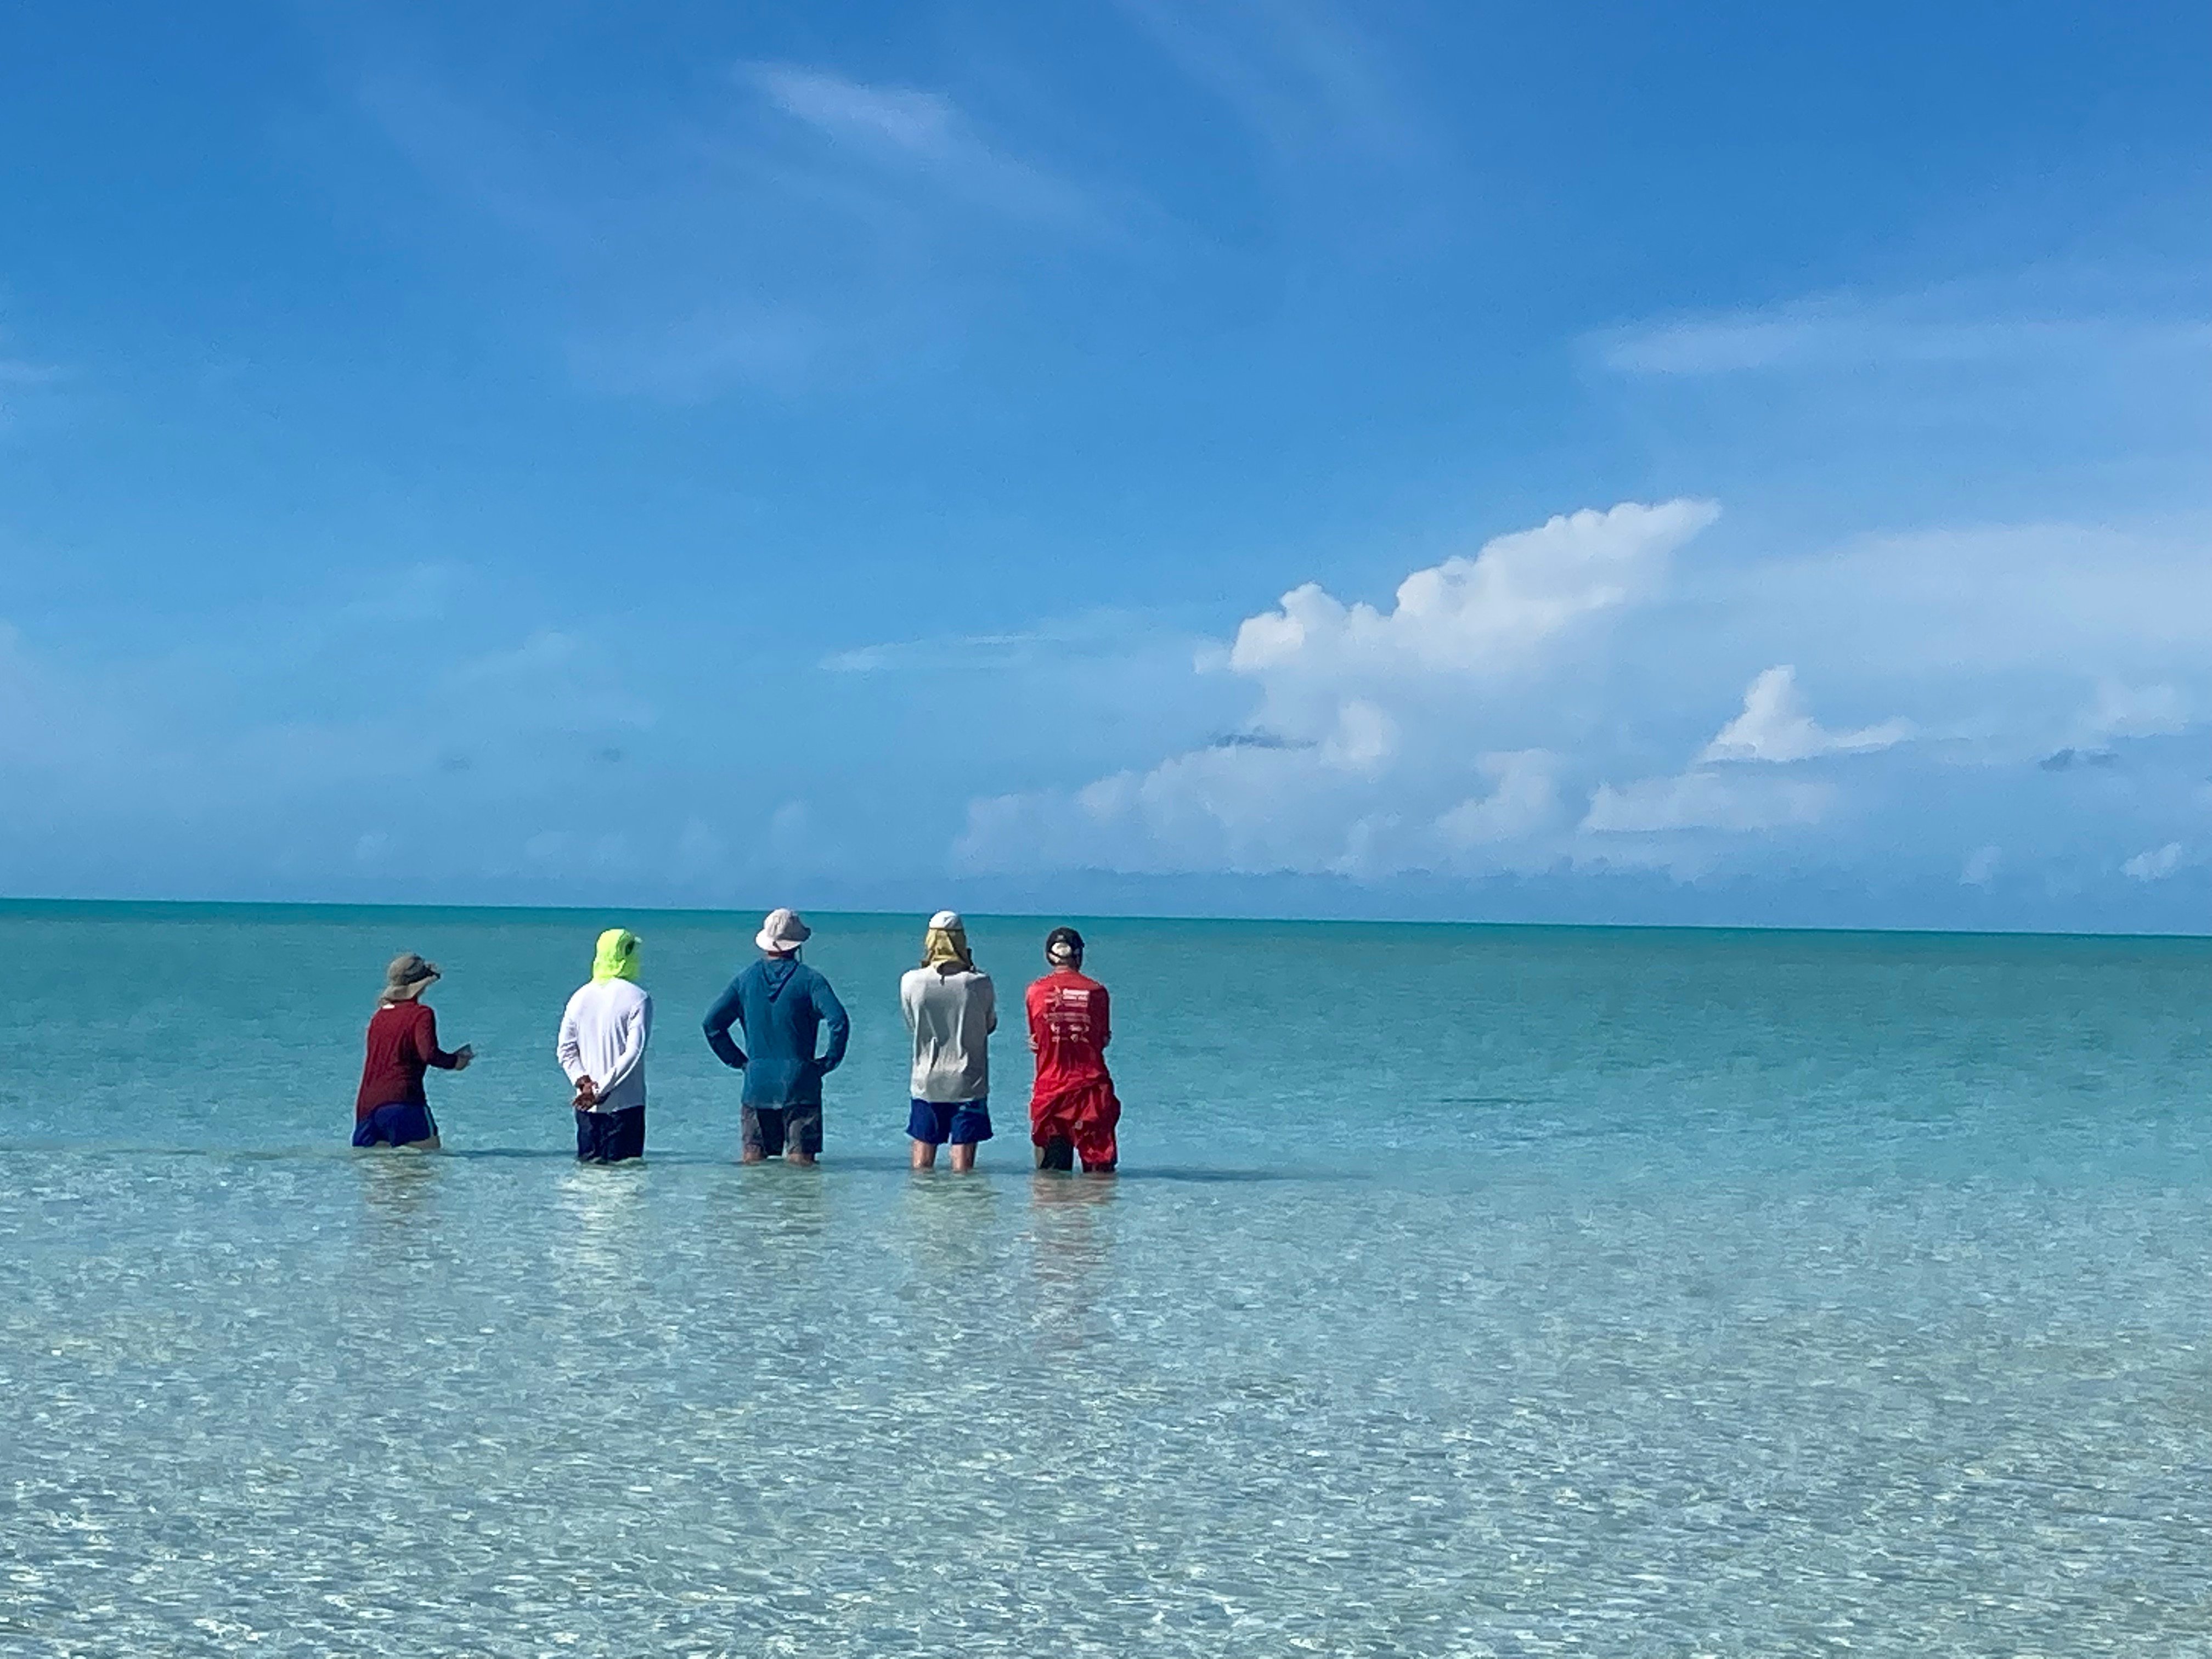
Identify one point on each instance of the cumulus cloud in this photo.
(1384, 738)
(1522, 799)
(1575, 697)
(1488, 614)
(1774, 726)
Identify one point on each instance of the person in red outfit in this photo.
(1072, 1108)
(391, 1109)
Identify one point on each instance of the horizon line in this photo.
(749, 915)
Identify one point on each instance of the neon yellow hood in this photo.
(617, 955)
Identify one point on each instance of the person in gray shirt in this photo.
(951, 1009)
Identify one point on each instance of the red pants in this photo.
(1082, 1113)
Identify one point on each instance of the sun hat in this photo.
(404, 979)
(944, 947)
(1063, 945)
(782, 931)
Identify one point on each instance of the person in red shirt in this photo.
(1072, 1108)
(391, 1109)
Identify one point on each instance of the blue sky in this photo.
(1590, 463)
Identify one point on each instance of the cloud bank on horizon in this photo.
(1261, 458)
(1504, 717)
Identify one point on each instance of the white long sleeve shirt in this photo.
(952, 1017)
(604, 1032)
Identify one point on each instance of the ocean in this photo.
(1466, 1290)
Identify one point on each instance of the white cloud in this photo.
(2155, 865)
(1990, 630)
(1528, 708)
(1305, 76)
(1707, 801)
(924, 135)
(1087, 636)
(1376, 745)
(924, 124)
(1523, 800)
(1774, 726)
(1938, 330)
(781, 225)
(1486, 614)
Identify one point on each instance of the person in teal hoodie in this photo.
(780, 1004)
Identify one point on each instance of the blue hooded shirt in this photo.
(780, 1004)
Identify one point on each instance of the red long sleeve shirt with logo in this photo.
(1071, 1022)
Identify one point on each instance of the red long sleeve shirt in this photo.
(403, 1043)
(1070, 1023)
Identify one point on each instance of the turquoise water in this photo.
(1467, 1292)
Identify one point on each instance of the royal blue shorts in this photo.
(611, 1137)
(961, 1122)
(395, 1125)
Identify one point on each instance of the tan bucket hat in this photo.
(407, 977)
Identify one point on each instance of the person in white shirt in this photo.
(604, 1032)
(951, 1009)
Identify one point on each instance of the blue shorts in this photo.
(611, 1137)
(963, 1122)
(397, 1125)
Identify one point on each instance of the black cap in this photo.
(1063, 941)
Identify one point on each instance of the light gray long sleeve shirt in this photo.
(952, 1017)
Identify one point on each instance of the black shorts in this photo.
(773, 1130)
(611, 1137)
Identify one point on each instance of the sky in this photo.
(1710, 464)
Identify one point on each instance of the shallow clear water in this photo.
(1466, 1292)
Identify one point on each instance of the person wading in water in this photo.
(601, 1047)
(780, 1004)
(391, 1109)
(1072, 1107)
(952, 1010)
